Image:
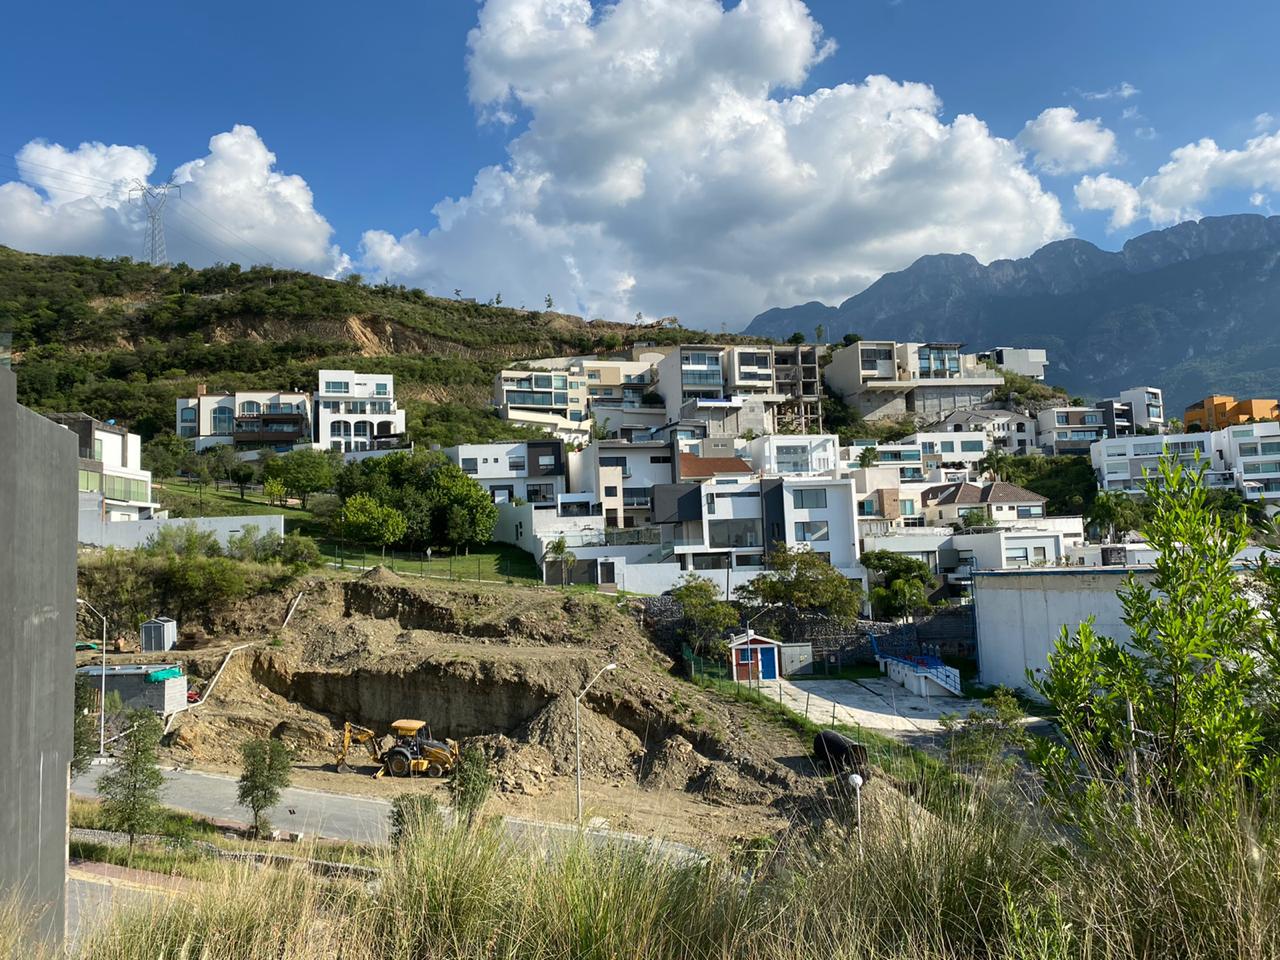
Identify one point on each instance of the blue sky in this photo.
(372, 111)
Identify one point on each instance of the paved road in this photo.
(339, 817)
(310, 812)
(874, 704)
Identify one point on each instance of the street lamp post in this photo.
(577, 731)
(855, 781)
(102, 705)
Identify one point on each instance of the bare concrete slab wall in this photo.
(37, 653)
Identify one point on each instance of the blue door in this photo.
(768, 663)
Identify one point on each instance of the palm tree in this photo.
(1115, 512)
(558, 550)
(867, 458)
(994, 462)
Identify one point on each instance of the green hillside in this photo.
(119, 339)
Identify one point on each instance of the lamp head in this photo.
(855, 780)
(611, 666)
(79, 601)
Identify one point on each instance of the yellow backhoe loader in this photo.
(408, 749)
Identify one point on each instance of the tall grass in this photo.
(982, 880)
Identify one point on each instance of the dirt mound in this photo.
(516, 767)
(722, 785)
(380, 574)
(607, 749)
(674, 765)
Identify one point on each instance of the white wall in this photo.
(1020, 615)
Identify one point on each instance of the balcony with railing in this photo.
(695, 378)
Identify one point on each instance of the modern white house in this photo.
(1070, 430)
(1146, 408)
(113, 485)
(805, 454)
(885, 378)
(357, 412)
(1245, 458)
(1027, 361)
(952, 449)
(534, 471)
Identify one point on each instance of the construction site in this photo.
(498, 666)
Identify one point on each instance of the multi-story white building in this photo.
(113, 485)
(617, 477)
(1027, 361)
(357, 411)
(1245, 458)
(786, 453)
(884, 378)
(952, 449)
(534, 471)
(1006, 430)
(1145, 409)
(248, 419)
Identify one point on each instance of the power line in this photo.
(70, 173)
(187, 203)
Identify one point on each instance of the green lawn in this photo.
(492, 561)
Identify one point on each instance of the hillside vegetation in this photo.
(119, 339)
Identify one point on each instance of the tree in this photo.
(303, 472)
(198, 475)
(558, 550)
(548, 301)
(994, 462)
(266, 769)
(457, 526)
(902, 586)
(818, 333)
(84, 740)
(130, 791)
(1189, 672)
(867, 457)
(705, 616)
(849, 339)
(981, 741)
(368, 521)
(497, 300)
(163, 454)
(470, 784)
(242, 474)
(221, 460)
(804, 580)
(1114, 513)
(274, 491)
(796, 338)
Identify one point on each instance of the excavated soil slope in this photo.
(497, 665)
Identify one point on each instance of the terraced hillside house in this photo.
(113, 485)
(1217, 411)
(961, 450)
(568, 396)
(1145, 408)
(534, 471)
(885, 378)
(250, 420)
(615, 479)
(1070, 431)
(357, 412)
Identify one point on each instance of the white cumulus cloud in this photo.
(661, 160)
(1105, 192)
(1192, 175)
(234, 205)
(1064, 143)
(1122, 91)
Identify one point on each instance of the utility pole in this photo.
(154, 198)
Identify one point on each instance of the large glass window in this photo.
(735, 533)
(808, 531)
(971, 446)
(337, 386)
(222, 418)
(542, 381)
(468, 465)
(381, 390)
(515, 464)
(187, 415)
(1015, 557)
(809, 499)
(947, 446)
(1026, 513)
(907, 508)
(250, 408)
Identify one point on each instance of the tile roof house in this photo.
(1000, 502)
(693, 467)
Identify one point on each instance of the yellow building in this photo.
(1218, 410)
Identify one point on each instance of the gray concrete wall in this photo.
(38, 503)
(127, 534)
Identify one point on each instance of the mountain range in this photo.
(1193, 309)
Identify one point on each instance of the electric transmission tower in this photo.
(153, 198)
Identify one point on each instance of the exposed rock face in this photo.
(1192, 308)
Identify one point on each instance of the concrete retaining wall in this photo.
(126, 535)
